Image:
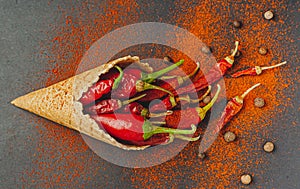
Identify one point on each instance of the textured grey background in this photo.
(22, 70)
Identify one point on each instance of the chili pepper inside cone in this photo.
(130, 82)
(184, 118)
(257, 70)
(233, 107)
(214, 74)
(169, 83)
(109, 105)
(134, 128)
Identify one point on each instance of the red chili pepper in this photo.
(133, 128)
(170, 102)
(215, 73)
(97, 91)
(257, 70)
(184, 118)
(135, 81)
(109, 105)
(102, 87)
(233, 107)
(169, 83)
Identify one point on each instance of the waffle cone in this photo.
(60, 102)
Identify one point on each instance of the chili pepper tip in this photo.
(133, 99)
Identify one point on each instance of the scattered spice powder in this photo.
(224, 165)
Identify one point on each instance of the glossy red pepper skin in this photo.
(166, 104)
(127, 87)
(104, 107)
(232, 108)
(133, 108)
(122, 126)
(96, 91)
(214, 74)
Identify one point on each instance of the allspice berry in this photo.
(268, 15)
(262, 50)
(207, 99)
(229, 136)
(269, 147)
(237, 24)
(246, 179)
(206, 50)
(259, 102)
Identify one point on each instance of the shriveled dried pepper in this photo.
(257, 70)
(214, 74)
(233, 107)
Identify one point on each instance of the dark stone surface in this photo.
(23, 70)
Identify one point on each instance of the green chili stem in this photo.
(152, 76)
(235, 49)
(119, 78)
(189, 100)
(202, 111)
(182, 137)
(192, 73)
(274, 66)
(149, 130)
(168, 112)
(158, 122)
(142, 86)
(248, 90)
(133, 99)
(157, 130)
(182, 79)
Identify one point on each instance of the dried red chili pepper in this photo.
(134, 128)
(233, 107)
(109, 105)
(131, 81)
(214, 74)
(257, 70)
(189, 116)
(169, 83)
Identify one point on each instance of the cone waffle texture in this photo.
(60, 102)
